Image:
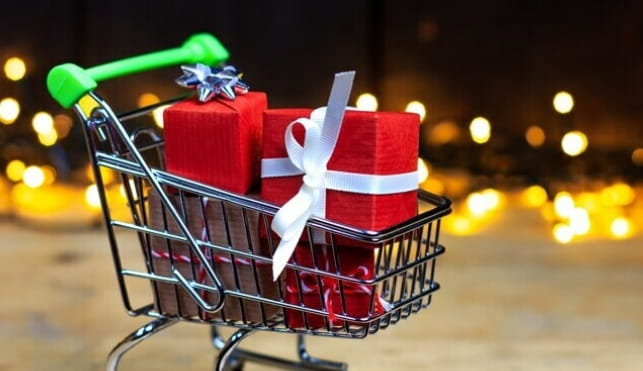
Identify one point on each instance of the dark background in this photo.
(503, 60)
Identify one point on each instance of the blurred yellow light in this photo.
(92, 198)
(563, 233)
(423, 171)
(480, 130)
(618, 194)
(443, 132)
(476, 203)
(50, 174)
(416, 107)
(563, 204)
(579, 221)
(147, 99)
(15, 68)
(535, 136)
(106, 173)
(588, 201)
(157, 113)
(459, 225)
(433, 185)
(131, 187)
(42, 123)
(637, 157)
(48, 139)
(15, 169)
(366, 102)
(33, 177)
(9, 110)
(621, 227)
(534, 196)
(62, 125)
(563, 102)
(574, 143)
(491, 198)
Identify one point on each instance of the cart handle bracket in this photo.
(68, 82)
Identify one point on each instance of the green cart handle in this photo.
(67, 82)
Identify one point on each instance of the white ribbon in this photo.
(321, 133)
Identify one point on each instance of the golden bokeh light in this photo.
(480, 130)
(535, 136)
(563, 204)
(33, 177)
(579, 221)
(92, 198)
(618, 194)
(637, 157)
(147, 99)
(563, 233)
(459, 225)
(434, 186)
(416, 107)
(574, 143)
(157, 114)
(621, 227)
(443, 132)
(62, 125)
(50, 174)
(15, 68)
(534, 196)
(563, 102)
(9, 110)
(108, 175)
(48, 139)
(42, 123)
(366, 102)
(15, 169)
(423, 171)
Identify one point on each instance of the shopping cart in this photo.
(404, 255)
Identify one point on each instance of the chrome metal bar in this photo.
(136, 337)
(229, 347)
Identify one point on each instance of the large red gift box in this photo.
(381, 143)
(303, 289)
(218, 142)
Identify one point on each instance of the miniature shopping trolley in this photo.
(204, 251)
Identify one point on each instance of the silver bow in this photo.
(211, 82)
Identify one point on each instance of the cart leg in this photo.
(229, 347)
(316, 363)
(136, 337)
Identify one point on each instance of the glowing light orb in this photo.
(33, 177)
(563, 233)
(147, 99)
(42, 123)
(15, 68)
(366, 102)
(9, 110)
(480, 130)
(15, 169)
(535, 136)
(157, 114)
(563, 204)
(423, 171)
(637, 157)
(48, 139)
(418, 108)
(534, 196)
(563, 102)
(579, 221)
(574, 143)
(92, 198)
(621, 227)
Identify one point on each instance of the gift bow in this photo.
(321, 133)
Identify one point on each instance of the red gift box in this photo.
(218, 142)
(337, 297)
(379, 143)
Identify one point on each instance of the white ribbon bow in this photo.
(321, 133)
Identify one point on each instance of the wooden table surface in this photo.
(511, 299)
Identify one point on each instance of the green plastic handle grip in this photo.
(67, 82)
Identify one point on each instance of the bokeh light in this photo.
(416, 107)
(534, 196)
(618, 194)
(563, 102)
(50, 174)
(33, 177)
(563, 233)
(480, 130)
(147, 99)
(42, 122)
(15, 169)
(92, 198)
(621, 227)
(9, 110)
(535, 136)
(48, 139)
(366, 102)
(574, 143)
(15, 68)
(423, 171)
(579, 221)
(157, 114)
(637, 156)
(563, 204)
(62, 125)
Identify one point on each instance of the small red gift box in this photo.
(218, 142)
(377, 143)
(337, 297)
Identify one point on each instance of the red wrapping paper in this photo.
(218, 142)
(380, 143)
(359, 300)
